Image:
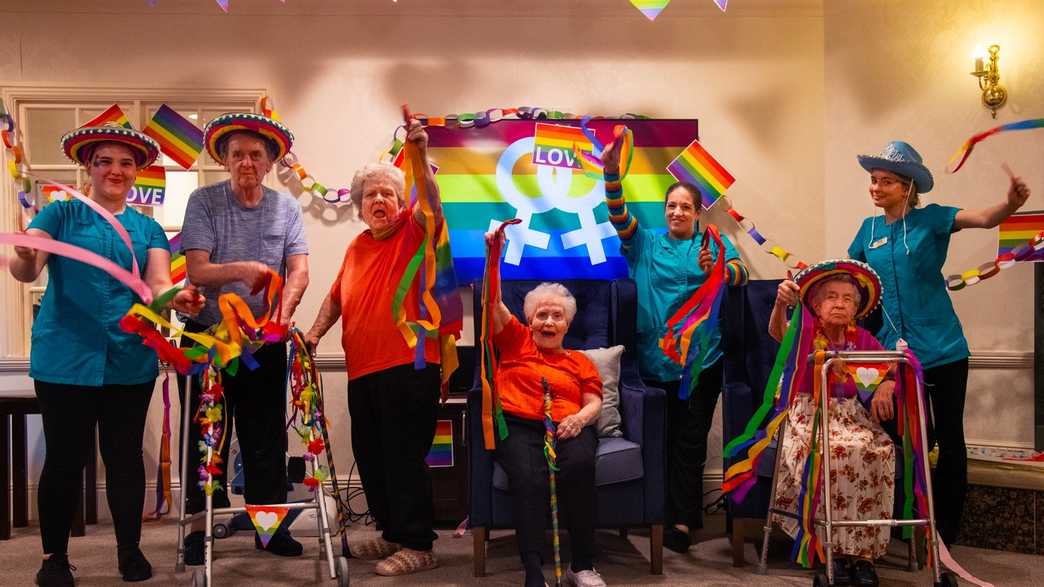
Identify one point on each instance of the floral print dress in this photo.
(862, 463)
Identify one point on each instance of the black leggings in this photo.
(946, 387)
(70, 413)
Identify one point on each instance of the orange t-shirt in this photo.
(365, 287)
(569, 374)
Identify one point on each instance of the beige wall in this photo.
(786, 91)
(898, 70)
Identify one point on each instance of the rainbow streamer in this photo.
(440, 301)
(807, 546)
(113, 114)
(696, 166)
(698, 318)
(651, 8)
(552, 467)
(181, 140)
(780, 389)
(965, 151)
(492, 413)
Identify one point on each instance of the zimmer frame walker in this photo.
(828, 525)
(203, 577)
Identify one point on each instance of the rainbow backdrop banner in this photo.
(1019, 228)
(553, 145)
(696, 166)
(486, 176)
(441, 453)
(150, 187)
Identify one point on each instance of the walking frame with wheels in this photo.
(338, 566)
(828, 524)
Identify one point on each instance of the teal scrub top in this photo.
(916, 303)
(76, 337)
(666, 273)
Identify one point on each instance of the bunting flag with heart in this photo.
(266, 520)
(867, 376)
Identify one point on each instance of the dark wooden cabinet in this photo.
(448, 461)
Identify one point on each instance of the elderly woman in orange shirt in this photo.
(530, 354)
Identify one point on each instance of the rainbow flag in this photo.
(441, 453)
(150, 187)
(113, 114)
(487, 175)
(181, 140)
(696, 166)
(553, 145)
(178, 269)
(652, 8)
(1017, 230)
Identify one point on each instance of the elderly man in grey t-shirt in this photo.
(234, 233)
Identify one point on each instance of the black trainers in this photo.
(194, 548)
(56, 572)
(863, 573)
(281, 543)
(133, 565)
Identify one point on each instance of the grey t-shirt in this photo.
(217, 223)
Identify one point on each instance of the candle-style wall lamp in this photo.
(988, 71)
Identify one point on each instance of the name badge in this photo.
(879, 242)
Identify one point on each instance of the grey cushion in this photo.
(607, 361)
(616, 460)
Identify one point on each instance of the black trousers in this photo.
(393, 425)
(946, 387)
(688, 424)
(255, 406)
(70, 413)
(521, 455)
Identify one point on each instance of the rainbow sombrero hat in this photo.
(274, 132)
(865, 276)
(79, 144)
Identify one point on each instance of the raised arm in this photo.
(501, 314)
(625, 224)
(418, 137)
(786, 296)
(993, 215)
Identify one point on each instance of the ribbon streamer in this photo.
(965, 151)
(552, 468)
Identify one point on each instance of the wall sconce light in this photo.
(993, 93)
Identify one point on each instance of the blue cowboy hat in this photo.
(900, 158)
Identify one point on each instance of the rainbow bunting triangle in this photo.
(181, 140)
(722, 4)
(113, 114)
(651, 8)
(266, 520)
(696, 166)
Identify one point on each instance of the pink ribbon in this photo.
(947, 559)
(75, 253)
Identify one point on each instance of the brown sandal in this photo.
(407, 561)
(374, 548)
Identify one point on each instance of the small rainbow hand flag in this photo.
(179, 139)
(150, 187)
(114, 114)
(652, 8)
(696, 166)
(178, 269)
(1017, 230)
(441, 453)
(553, 145)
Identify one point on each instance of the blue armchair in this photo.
(629, 471)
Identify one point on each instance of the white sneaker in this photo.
(589, 578)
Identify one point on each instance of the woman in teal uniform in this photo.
(907, 247)
(667, 269)
(85, 369)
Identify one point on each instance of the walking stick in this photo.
(549, 453)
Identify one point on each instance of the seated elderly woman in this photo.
(862, 463)
(530, 354)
